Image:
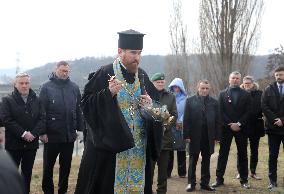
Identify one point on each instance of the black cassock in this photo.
(108, 133)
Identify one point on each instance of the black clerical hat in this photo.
(130, 39)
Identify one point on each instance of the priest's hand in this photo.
(146, 100)
(114, 85)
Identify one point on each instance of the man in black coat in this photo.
(23, 120)
(118, 152)
(61, 101)
(201, 125)
(234, 104)
(273, 109)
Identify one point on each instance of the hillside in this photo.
(80, 68)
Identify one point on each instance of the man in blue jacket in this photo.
(61, 99)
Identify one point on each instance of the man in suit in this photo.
(200, 124)
(272, 104)
(234, 104)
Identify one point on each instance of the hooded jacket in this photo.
(179, 143)
(180, 97)
(61, 100)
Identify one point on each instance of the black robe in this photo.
(108, 133)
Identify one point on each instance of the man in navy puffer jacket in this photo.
(61, 100)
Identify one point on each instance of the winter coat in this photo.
(193, 122)
(233, 113)
(168, 99)
(179, 143)
(61, 100)
(19, 117)
(272, 107)
(255, 126)
(180, 97)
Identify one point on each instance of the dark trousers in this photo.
(162, 164)
(26, 158)
(274, 142)
(205, 165)
(225, 144)
(50, 153)
(181, 161)
(254, 144)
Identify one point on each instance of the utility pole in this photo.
(17, 62)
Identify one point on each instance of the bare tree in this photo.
(275, 60)
(229, 32)
(178, 62)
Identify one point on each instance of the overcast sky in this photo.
(41, 31)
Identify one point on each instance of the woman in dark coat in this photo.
(200, 124)
(255, 128)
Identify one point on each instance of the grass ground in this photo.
(177, 185)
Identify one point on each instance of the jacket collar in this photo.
(18, 96)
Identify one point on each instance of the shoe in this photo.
(255, 177)
(238, 176)
(217, 184)
(183, 176)
(207, 188)
(190, 188)
(272, 185)
(246, 186)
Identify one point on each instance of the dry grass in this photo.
(177, 185)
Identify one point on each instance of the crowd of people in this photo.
(124, 141)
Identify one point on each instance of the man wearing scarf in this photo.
(120, 143)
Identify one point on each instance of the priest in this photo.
(120, 142)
